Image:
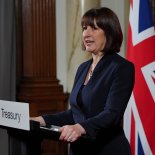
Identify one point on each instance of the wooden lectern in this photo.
(22, 142)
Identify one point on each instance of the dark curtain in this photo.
(7, 61)
(7, 50)
(153, 10)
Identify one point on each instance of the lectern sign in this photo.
(14, 114)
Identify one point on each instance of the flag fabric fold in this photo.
(139, 117)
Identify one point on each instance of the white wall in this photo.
(120, 7)
(61, 40)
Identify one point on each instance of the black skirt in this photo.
(114, 145)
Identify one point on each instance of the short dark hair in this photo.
(108, 21)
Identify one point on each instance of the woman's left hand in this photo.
(71, 133)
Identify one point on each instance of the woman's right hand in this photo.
(39, 119)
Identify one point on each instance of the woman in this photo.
(100, 93)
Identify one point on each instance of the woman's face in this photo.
(93, 38)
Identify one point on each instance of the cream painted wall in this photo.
(120, 7)
(75, 54)
(61, 42)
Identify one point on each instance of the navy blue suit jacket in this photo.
(105, 98)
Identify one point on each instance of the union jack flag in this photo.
(139, 117)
